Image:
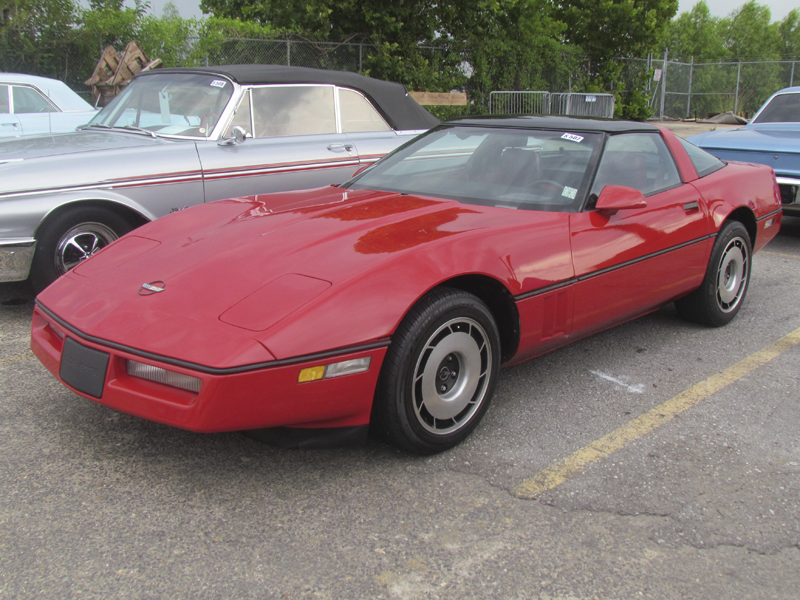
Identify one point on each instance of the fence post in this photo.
(791, 77)
(689, 99)
(360, 45)
(738, 77)
(288, 53)
(664, 83)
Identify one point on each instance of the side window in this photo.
(358, 114)
(293, 110)
(637, 160)
(242, 118)
(28, 100)
(3, 99)
(703, 162)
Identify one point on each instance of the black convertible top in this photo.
(392, 99)
(558, 123)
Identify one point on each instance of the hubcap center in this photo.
(447, 374)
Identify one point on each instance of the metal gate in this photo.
(545, 103)
(519, 103)
(583, 105)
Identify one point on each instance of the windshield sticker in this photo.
(572, 137)
(221, 84)
(569, 192)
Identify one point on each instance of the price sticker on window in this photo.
(572, 137)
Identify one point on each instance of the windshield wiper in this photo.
(137, 130)
(98, 125)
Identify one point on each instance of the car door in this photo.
(294, 142)
(9, 123)
(32, 109)
(637, 259)
(366, 127)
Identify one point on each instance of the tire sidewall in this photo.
(397, 389)
(728, 233)
(43, 267)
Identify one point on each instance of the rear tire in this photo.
(71, 237)
(439, 374)
(718, 299)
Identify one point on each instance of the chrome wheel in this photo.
(732, 275)
(451, 376)
(81, 242)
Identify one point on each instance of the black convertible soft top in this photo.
(392, 99)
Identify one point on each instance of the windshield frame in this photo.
(366, 178)
(110, 116)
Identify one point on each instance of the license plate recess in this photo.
(84, 368)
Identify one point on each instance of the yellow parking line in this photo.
(780, 254)
(564, 469)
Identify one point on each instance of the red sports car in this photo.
(392, 301)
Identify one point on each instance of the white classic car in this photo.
(30, 104)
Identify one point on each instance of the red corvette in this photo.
(392, 300)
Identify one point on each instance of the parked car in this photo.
(771, 138)
(31, 104)
(178, 137)
(393, 299)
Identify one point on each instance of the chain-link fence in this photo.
(680, 90)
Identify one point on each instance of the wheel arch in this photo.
(746, 217)
(133, 216)
(500, 303)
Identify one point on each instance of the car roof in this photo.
(392, 99)
(558, 123)
(58, 91)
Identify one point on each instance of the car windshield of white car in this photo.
(180, 104)
(529, 169)
(783, 108)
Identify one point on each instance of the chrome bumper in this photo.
(790, 194)
(15, 259)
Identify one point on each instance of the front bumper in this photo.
(251, 399)
(16, 256)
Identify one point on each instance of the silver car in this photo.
(179, 137)
(30, 104)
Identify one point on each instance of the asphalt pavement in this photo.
(659, 459)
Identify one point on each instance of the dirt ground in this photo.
(685, 129)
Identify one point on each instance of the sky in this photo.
(719, 8)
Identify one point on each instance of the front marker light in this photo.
(346, 367)
(159, 375)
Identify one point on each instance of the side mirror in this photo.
(619, 197)
(238, 135)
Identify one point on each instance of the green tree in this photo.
(36, 36)
(749, 33)
(606, 30)
(696, 34)
(789, 30)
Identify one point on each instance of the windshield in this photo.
(783, 108)
(510, 168)
(184, 104)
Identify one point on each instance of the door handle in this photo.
(340, 147)
(14, 125)
(690, 206)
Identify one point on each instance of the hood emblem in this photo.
(148, 289)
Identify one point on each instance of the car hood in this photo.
(56, 144)
(245, 272)
(783, 137)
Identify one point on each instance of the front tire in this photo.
(71, 237)
(439, 374)
(718, 299)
